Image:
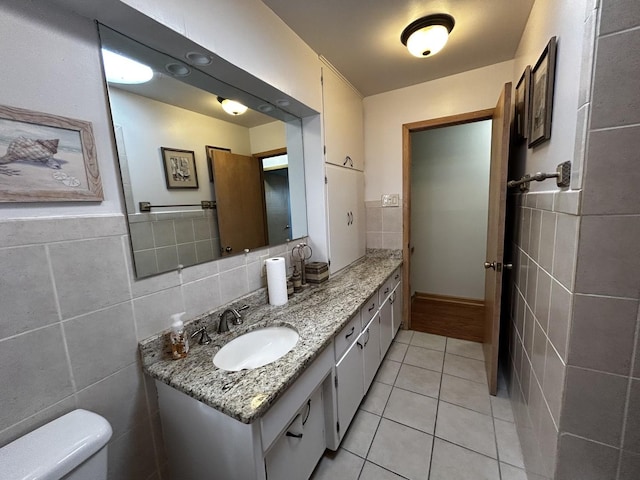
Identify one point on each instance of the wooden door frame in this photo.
(407, 130)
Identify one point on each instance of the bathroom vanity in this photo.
(275, 421)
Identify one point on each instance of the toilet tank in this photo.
(70, 447)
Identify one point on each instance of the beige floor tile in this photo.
(412, 409)
(376, 399)
(341, 464)
(360, 434)
(419, 380)
(466, 428)
(397, 351)
(464, 348)
(501, 407)
(424, 358)
(465, 393)
(404, 336)
(388, 372)
(401, 449)
(508, 443)
(452, 462)
(371, 471)
(428, 340)
(465, 368)
(512, 473)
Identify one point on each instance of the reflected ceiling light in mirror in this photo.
(427, 35)
(265, 108)
(121, 69)
(177, 69)
(283, 103)
(231, 106)
(198, 58)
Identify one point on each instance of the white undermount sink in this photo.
(256, 348)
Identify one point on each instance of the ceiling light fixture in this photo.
(427, 35)
(177, 69)
(198, 58)
(231, 106)
(124, 70)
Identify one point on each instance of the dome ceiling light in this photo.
(124, 70)
(231, 106)
(427, 35)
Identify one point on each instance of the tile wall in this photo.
(544, 256)
(163, 240)
(600, 421)
(574, 349)
(384, 226)
(72, 313)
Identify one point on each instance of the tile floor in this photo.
(428, 416)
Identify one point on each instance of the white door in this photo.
(350, 387)
(370, 340)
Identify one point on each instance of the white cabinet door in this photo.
(343, 119)
(347, 235)
(350, 386)
(297, 451)
(370, 339)
(386, 327)
(396, 307)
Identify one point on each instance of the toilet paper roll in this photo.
(277, 280)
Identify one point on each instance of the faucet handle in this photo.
(237, 320)
(204, 339)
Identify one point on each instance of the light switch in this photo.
(391, 200)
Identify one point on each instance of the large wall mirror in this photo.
(201, 179)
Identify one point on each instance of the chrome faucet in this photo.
(223, 326)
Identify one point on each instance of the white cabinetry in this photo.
(396, 307)
(349, 386)
(347, 235)
(296, 452)
(386, 327)
(343, 121)
(370, 340)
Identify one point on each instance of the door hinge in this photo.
(324, 149)
(325, 180)
(335, 381)
(338, 426)
(329, 263)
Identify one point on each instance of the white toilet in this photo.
(72, 447)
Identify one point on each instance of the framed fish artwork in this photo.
(47, 158)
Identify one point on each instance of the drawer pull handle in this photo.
(350, 333)
(397, 276)
(306, 417)
(368, 337)
(373, 305)
(295, 435)
(386, 290)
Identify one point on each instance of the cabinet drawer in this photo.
(347, 335)
(296, 452)
(370, 308)
(389, 284)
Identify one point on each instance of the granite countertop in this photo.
(318, 314)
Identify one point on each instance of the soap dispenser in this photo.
(178, 337)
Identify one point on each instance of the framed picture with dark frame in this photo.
(179, 168)
(542, 80)
(523, 89)
(47, 158)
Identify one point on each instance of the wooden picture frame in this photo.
(179, 168)
(47, 158)
(542, 81)
(522, 104)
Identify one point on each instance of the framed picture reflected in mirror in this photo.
(179, 168)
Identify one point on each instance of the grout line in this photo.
(435, 423)
(60, 325)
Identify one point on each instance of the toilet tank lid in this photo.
(55, 449)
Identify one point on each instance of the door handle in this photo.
(508, 266)
(497, 266)
(228, 249)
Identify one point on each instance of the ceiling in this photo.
(361, 38)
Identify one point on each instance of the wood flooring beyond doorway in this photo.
(448, 316)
